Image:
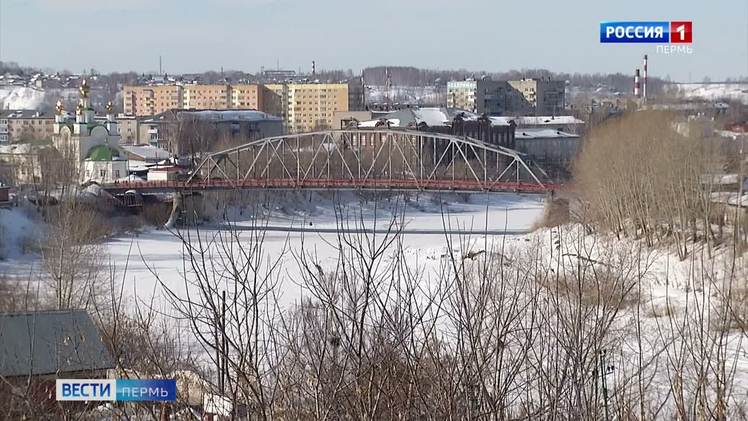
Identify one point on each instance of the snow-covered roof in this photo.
(431, 116)
(170, 168)
(541, 134)
(137, 166)
(231, 115)
(228, 115)
(147, 152)
(394, 122)
(131, 177)
(537, 120)
(23, 114)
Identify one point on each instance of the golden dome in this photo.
(79, 109)
(109, 107)
(59, 108)
(84, 88)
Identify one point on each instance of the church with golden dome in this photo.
(84, 138)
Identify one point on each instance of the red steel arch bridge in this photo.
(360, 159)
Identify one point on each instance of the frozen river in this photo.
(421, 222)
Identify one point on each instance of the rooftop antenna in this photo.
(314, 68)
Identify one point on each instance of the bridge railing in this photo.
(322, 183)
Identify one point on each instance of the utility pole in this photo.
(604, 370)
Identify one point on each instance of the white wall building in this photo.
(104, 166)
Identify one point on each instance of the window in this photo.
(102, 173)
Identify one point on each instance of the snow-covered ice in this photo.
(161, 252)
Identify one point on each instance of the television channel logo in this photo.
(164, 390)
(652, 32)
(85, 390)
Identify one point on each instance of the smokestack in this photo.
(637, 84)
(644, 85)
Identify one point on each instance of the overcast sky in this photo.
(492, 35)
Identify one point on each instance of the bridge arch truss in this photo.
(371, 159)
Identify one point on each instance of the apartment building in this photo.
(306, 107)
(25, 126)
(217, 97)
(150, 100)
(544, 96)
(303, 106)
(248, 97)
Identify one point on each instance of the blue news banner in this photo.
(121, 390)
(635, 32)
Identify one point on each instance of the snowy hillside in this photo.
(27, 98)
(712, 91)
(20, 98)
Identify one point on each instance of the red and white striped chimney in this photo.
(644, 84)
(637, 84)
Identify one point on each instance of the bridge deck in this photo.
(339, 184)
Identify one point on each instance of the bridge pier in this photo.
(176, 210)
(187, 207)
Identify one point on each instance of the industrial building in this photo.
(483, 96)
(514, 97)
(448, 121)
(553, 149)
(543, 95)
(182, 131)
